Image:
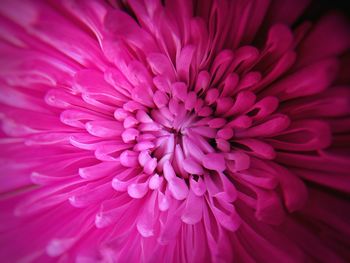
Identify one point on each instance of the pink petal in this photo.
(214, 161)
(192, 167)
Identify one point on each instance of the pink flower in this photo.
(184, 131)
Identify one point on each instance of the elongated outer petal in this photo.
(57, 247)
(193, 210)
(307, 81)
(148, 217)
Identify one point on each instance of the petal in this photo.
(138, 190)
(214, 161)
(148, 217)
(129, 29)
(104, 129)
(303, 135)
(192, 213)
(333, 32)
(178, 188)
(306, 81)
(197, 186)
(168, 170)
(272, 126)
(192, 167)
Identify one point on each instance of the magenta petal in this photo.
(306, 81)
(134, 34)
(193, 210)
(294, 199)
(138, 190)
(155, 182)
(57, 247)
(128, 158)
(180, 90)
(306, 135)
(169, 172)
(178, 188)
(161, 65)
(274, 125)
(103, 128)
(97, 171)
(214, 161)
(163, 201)
(269, 208)
(333, 31)
(145, 223)
(197, 186)
(192, 167)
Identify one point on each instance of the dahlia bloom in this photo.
(173, 131)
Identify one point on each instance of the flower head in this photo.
(173, 131)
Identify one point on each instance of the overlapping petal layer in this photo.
(184, 131)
